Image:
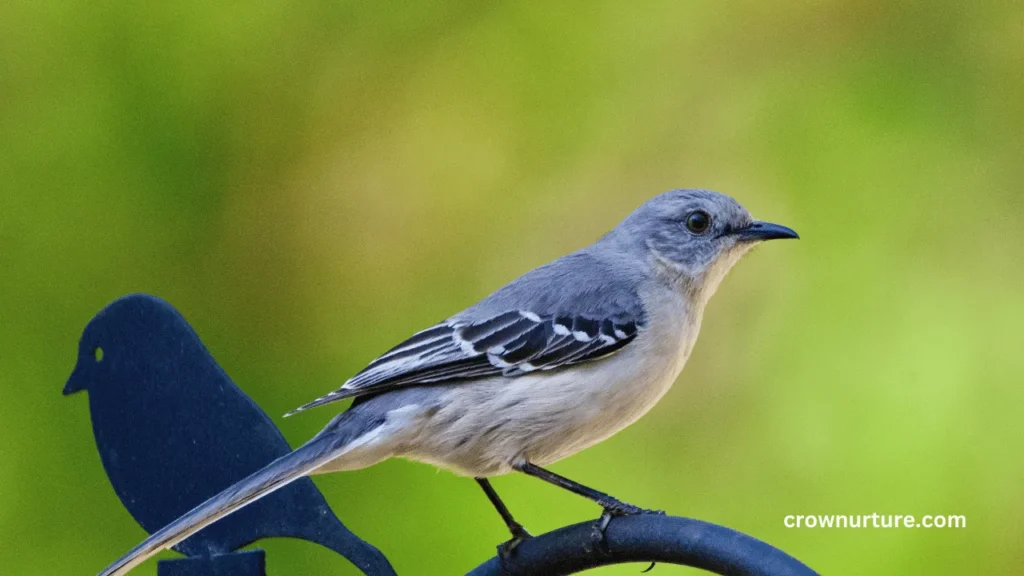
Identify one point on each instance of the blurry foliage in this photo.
(311, 182)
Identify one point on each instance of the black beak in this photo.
(758, 231)
(75, 383)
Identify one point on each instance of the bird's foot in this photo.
(612, 509)
(519, 534)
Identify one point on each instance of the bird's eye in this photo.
(97, 354)
(698, 222)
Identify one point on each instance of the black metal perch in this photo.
(645, 538)
(173, 429)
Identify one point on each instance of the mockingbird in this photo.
(555, 361)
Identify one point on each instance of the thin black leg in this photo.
(612, 506)
(517, 530)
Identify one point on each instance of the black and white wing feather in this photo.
(509, 344)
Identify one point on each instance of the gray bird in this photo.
(554, 362)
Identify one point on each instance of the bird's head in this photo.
(92, 352)
(116, 349)
(693, 237)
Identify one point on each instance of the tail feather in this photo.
(335, 396)
(274, 476)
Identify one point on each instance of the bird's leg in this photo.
(612, 506)
(518, 532)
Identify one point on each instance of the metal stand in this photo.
(645, 538)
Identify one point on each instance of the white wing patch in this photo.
(582, 336)
(529, 316)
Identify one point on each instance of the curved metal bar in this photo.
(645, 538)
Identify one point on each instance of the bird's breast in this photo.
(646, 370)
(606, 396)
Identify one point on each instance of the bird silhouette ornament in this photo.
(172, 430)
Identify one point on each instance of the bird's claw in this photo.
(614, 509)
(619, 508)
(519, 535)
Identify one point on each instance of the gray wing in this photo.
(568, 312)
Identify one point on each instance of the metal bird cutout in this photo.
(172, 430)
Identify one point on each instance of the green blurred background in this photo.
(311, 183)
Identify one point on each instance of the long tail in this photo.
(278, 474)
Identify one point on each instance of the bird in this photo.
(172, 430)
(555, 361)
